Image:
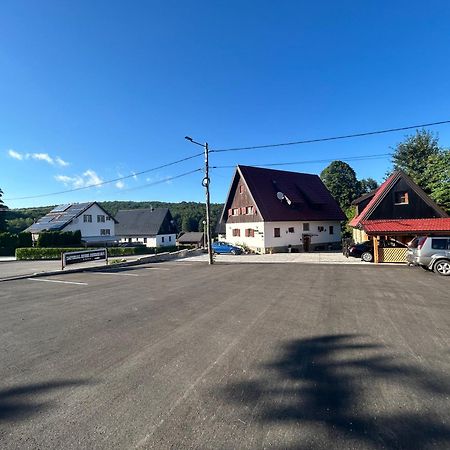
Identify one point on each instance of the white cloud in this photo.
(120, 184)
(61, 162)
(88, 178)
(38, 157)
(15, 155)
(42, 157)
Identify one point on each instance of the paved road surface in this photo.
(182, 355)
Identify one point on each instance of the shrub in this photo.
(10, 241)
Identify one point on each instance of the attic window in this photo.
(401, 198)
(241, 189)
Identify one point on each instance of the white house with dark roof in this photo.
(153, 227)
(273, 211)
(94, 223)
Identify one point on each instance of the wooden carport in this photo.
(403, 230)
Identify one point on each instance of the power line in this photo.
(347, 158)
(165, 180)
(334, 138)
(132, 175)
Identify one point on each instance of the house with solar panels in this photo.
(277, 211)
(97, 227)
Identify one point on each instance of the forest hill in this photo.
(188, 216)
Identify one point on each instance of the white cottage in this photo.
(274, 211)
(94, 223)
(153, 227)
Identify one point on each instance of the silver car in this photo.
(430, 253)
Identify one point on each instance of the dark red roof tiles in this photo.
(310, 199)
(406, 225)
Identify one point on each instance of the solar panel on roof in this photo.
(60, 208)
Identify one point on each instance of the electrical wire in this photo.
(132, 175)
(334, 138)
(165, 180)
(312, 161)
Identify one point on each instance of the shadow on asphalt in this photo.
(318, 382)
(21, 402)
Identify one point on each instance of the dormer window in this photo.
(401, 198)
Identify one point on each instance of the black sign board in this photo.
(84, 256)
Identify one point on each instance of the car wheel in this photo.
(442, 267)
(233, 252)
(367, 257)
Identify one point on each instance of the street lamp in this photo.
(205, 184)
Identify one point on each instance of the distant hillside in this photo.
(188, 216)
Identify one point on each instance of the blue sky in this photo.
(94, 90)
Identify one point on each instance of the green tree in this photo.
(412, 155)
(341, 181)
(367, 185)
(437, 176)
(3, 208)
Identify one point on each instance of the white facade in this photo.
(93, 222)
(264, 238)
(160, 240)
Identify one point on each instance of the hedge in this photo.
(59, 238)
(10, 241)
(55, 253)
(43, 253)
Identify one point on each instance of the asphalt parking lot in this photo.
(182, 355)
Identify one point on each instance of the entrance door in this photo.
(306, 243)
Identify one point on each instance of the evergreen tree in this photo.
(3, 208)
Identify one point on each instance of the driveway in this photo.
(182, 355)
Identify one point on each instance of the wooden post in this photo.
(375, 250)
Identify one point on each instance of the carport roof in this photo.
(407, 226)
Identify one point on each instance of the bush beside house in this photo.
(10, 241)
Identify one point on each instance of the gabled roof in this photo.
(410, 226)
(61, 216)
(191, 237)
(305, 197)
(364, 197)
(383, 191)
(144, 222)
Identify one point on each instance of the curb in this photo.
(161, 257)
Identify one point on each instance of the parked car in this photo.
(364, 250)
(430, 253)
(225, 247)
(131, 244)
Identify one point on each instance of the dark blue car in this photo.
(225, 247)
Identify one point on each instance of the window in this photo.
(401, 198)
(331, 229)
(145, 240)
(306, 227)
(108, 218)
(241, 189)
(249, 232)
(170, 238)
(440, 244)
(249, 210)
(162, 239)
(129, 239)
(100, 218)
(87, 218)
(276, 232)
(291, 230)
(319, 228)
(236, 232)
(235, 211)
(105, 232)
